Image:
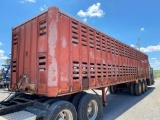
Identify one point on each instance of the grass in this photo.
(157, 73)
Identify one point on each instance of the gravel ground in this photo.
(124, 106)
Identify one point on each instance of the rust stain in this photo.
(66, 42)
(52, 61)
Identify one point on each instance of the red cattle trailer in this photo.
(55, 57)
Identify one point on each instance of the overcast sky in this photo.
(124, 20)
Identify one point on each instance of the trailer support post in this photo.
(104, 101)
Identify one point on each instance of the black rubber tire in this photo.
(138, 89)
(149, 82)
(83, 105)
(132, 88)
(143, 87)
(76, 99)
(153, 81)
(51, 101)
(57, 107)
(113, 89)
(145, 82)
(109, 88)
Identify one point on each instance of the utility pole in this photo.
(138, 44)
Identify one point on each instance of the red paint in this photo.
(61, 55)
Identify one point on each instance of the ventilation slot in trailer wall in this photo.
(42, 27)
(116, 48)
(84, 35)
(92, 70)
(42, 63)
(74, 30)
(109, 70)
(120, 49)
(75, 70)
(13, 66)
(112, 46)
(85, 80)
(103, 43)
(134, 57)
(130, 53)
(121, 70)
(14, 52)
(124, 72)
(99, 70)
(104, 70)
(125, 51)
(15, 39)
(113, 70)
(98, 46)
(84, 70)
(108, 45)
(91, 38)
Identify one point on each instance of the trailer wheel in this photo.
(76, 99)
(149, 82)
(138, 89)
(145, 82)
(109, 87)
(61, 110)
(89, 108)
(132, 88)
(143, 87)
(113, 89)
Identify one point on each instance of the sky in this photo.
(125, 20)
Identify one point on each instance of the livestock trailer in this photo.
(55, 57)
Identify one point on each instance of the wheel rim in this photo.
(92, 110)
(65, 115)
(144, 87)
(140, 88)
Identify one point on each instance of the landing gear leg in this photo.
(104, 97)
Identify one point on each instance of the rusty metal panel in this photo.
(33, 57)
(27, 49)
(98, 58)
(84, 56)
(64, 37)
(42, 53)
(75, 55)
(92, 64)
(53, 52)
(61, 55)
(42, 33)
(14, 66)
(104, 60)
(21, 50)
